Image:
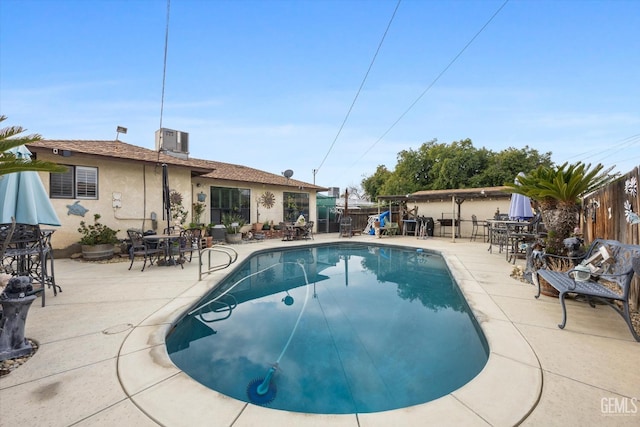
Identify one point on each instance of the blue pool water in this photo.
(376, 328)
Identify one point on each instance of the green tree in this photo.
(438, 166)
(9, 163)
(454, 164)
(505, 165)
(373, 184)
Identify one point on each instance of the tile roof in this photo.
(205, 168)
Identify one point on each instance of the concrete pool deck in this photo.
(102, 359)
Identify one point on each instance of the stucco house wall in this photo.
(482, 208)
(139, 186)
(130, 187)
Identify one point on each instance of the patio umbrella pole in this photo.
(166, 203)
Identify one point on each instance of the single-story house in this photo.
(124, 184)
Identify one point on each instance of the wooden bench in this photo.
(609, 261)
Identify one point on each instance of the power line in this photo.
(164, 76)
(164, 65)
(315, 171)
(434, 80)
(599, 153)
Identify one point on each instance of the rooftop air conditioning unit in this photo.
(173, 142)
(334, 191)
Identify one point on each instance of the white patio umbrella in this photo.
(520, 206)
(24, 197)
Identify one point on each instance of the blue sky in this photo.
(268, 84)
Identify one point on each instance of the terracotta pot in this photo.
(548, 290)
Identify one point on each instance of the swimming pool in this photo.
(353, 328)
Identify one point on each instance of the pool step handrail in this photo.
(223, 307)
(230, 253)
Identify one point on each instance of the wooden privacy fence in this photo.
(612, 213)
(360, 217)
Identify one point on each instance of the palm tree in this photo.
(558, 192)
(9, 163)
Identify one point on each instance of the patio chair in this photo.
(189, 242)
(497, 235)
(308, 230)
(288, 231)
(141, 247)
(6, 232)
(345, 227)
(28, 253)
(476, 229)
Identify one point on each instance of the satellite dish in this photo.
(288, 173)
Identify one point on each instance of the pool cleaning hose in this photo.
(262, 391)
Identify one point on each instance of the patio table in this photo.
(166, 241)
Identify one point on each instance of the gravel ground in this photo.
(6, 366)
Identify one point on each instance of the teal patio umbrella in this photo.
(23, 196)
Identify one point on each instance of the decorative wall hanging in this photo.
(629, 214)
(631, 186)
(267, 199)
(76, 209)
(592, 207)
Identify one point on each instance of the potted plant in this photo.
(232, 224)
(198, 210)
(97, 239)
(291, 209)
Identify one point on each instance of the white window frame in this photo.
(85, 179)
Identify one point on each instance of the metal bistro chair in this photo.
(189, 242)
(520, 236)
(497, 236)
(308, 230)
(29, 253)
(476, 229)
(288, 231)
(6, 232)
(345, 227)
(141, 247)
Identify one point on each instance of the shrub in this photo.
(97, 233)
